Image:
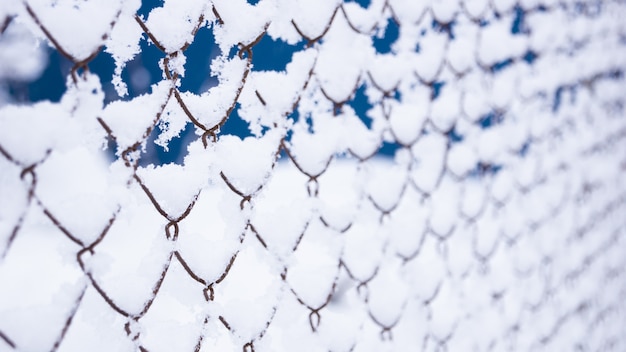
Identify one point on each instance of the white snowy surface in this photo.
(497, 225)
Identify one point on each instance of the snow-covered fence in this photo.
(498, 225)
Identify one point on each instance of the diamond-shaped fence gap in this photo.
(361, 104)
(389, 148)
(86, 332)
(424, 273)
(215, 227)
(273, 54)
(386, 200)
(169, 140)
(51, 85)
(12, 214)
(176, 147)
(42, 284)
(313, 274)
(386, 36)
(361, 142)
(253, 280)
(430, 58)
(388, 286)
(199, 57)
(140, 265)
(290, 328)
(235, 125)
(362, 255)
(175, 319)
(283, 195)
(429, 153)
(75, 197)
(104, 66)
(339, 190)
(407, 236)
(445, 208)
(137, 75)
(459, 257)
(144, 70)
(335, 329)
(30, 60)
(246, 164)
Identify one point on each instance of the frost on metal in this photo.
(498, 225)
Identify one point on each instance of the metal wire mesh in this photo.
(498, 225)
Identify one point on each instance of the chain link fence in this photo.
(497, 225)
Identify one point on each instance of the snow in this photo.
(461, 159)
(341, 58)
(129, 128)
(407, 118)
(175, 318)
(465, 42)
(129, 274)
(23, 57)
(490, 51)
(76, 182)
(283, 196)
(475, 100)
(359, 140)
(11, 188)
(123, 40)
(31, 306)
(247, 163)
(279, 91)
(486, 234)
(459, 252)
(385, 198)
(78, 27)
(444, 11)
(96, 327)
(446, 108)
(408, 11)
(364, 18)
(213, 227)
(313, 151)
(363, 249)
(385, 70)
(387, 294)
(339, 193)
(408, 223)
(499, 212)
(426, 271)
(445, 205)
(172, 24)
(429, 61)
(243, 22)
(311, 18)
(429, 153)
(474, 198)
(250, 292)
(314, 265)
